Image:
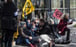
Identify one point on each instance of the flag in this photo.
(57, 14)
(28, 8)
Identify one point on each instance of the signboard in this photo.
(57, 14)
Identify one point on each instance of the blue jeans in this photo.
(19, 40)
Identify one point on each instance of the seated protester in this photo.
(28, 23)
(62, 26)
(34, 29)
(28, 35)
(44, 32)
(37, 22)
(44, 28)
(19, 39)
(53, 27)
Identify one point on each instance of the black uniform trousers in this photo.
(7, 36)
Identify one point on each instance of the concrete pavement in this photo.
(72, 37)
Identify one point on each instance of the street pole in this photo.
(49, 11)
(50, 5)
(67, 2)
(69, 9)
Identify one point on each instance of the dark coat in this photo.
(8, 20)
(24, 32)
(45, 29)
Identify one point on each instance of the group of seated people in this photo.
(33, 31)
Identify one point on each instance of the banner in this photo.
(28, 8)
(57, 14)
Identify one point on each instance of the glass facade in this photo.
(62, 5)
(55, 3)
(66, 6)
(73, 8)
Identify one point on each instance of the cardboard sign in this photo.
(57, 14)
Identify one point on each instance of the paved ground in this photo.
(72, 44)
(73, 38)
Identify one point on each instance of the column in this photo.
(47, 4)
(67, 5)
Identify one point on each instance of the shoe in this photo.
(67, 42)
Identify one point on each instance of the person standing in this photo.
(8, 22)
(62, 27)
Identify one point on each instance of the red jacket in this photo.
(62, 25)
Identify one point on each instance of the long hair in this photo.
(64, 17)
